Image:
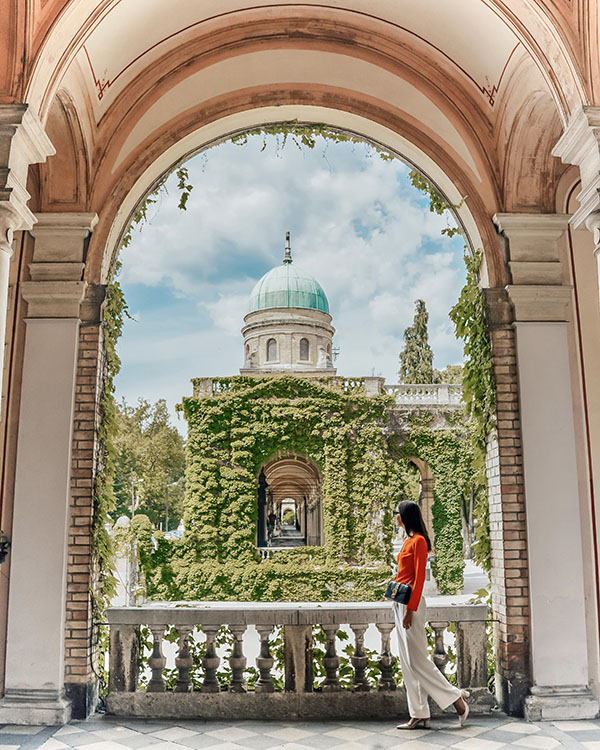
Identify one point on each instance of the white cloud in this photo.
(356, 225)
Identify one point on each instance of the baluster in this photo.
(386, 659)
(210, 662)
(440, 657)
(359, 659)
(331, 661)
(183, 661)
(237, 660)
(264, 661)
(156, 661)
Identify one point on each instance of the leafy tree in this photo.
(451, 374)
(150, 463)
(416, 360)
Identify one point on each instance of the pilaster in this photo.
(35, 657)
(541, 301)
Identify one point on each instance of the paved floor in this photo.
(495, 733)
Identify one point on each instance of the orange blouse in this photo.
(412, 562)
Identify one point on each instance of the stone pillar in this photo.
(22, 142)
(541, 302)
(35, 650)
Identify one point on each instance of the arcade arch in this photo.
(465, 108)
(290, 483)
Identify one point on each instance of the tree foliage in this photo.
(150, 462)
(451, 374)
(416, 359)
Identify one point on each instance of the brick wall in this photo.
(80, 679)
(508, 531)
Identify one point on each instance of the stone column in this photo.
(541, 303)
(35, 650)
(22, 142)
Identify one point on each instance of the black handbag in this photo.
(398, 592)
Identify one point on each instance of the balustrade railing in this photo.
(372, 692)
(409, 394)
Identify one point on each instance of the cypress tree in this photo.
(416, 360)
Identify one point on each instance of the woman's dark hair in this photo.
(410, 513)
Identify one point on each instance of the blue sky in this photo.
(357, 225)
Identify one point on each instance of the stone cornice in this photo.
(22, 142)
(53, 299)
(580, 145)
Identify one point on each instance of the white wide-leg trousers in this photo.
(421, 676)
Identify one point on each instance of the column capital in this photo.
(537, 290)
(540, 303)
(22, 142)
(56, 289)
(580, 145)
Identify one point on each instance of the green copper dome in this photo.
(287, 286)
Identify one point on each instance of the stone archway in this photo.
(471, 128)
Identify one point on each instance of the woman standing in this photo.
(421, 676)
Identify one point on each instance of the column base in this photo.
(561, 703)
(83, 697)
(35, 707)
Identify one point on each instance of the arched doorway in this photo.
(290, 510)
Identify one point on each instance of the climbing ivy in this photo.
(104, 586)
(471, 324)
(247, 422)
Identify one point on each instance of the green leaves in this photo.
(416, 359)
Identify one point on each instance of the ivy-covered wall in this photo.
(362, 459)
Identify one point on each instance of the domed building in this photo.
(288, 326)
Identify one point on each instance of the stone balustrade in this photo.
(405, 394)
(440, 394)
(372, 694)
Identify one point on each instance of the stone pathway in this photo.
(481, 733)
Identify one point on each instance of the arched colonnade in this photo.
(496, 103)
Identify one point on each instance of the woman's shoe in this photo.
(463, 717)
(414, 724)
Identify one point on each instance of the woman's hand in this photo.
(407, 621)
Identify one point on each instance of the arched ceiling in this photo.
(292, 477)
(448, 85)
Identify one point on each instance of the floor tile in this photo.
(117, 733)
(519, 727)
(20, 729)
(576, 726)
(416, 745)
(53, 744)
(350, 734)
(199, 741)
(591, 745)
(231, 734)
(476, 743)
(542, 743)
(289, 734)
(173, 734)
(68, 729)
(9, 747)
(105, 745)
